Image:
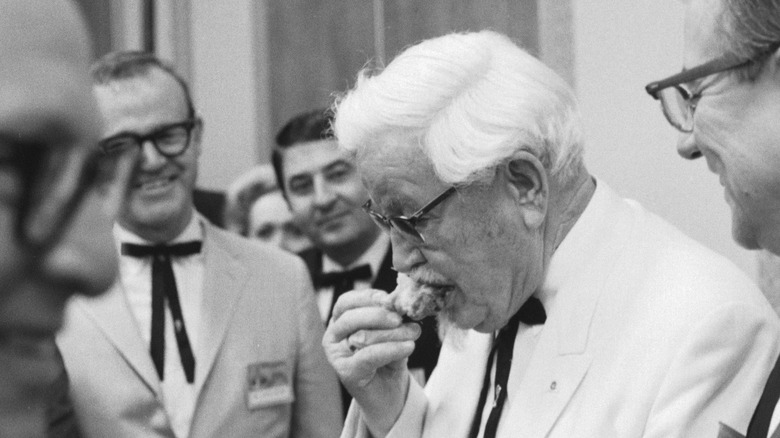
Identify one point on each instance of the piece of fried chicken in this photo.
(417, 300)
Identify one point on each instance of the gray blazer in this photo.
(260, 336)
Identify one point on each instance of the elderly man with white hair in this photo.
(567, 311)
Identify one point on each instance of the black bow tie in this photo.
(335, 279)
(175, 250)
(531, 313)
(341, 282)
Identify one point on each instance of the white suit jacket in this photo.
(651, 335)
(260, 337)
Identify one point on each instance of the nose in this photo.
(406, 255)
(686, 146)
(323, 193)
(84, 261)
(150, 156)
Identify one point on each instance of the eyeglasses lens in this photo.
(172, 141)
(169, 141)
(677, 108)
(407, 229)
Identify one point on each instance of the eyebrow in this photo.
(325, 168)
(154, 128)
(339, 162)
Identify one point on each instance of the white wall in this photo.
(620, 46)
(224, 84)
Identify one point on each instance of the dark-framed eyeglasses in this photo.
(169, 140)
(51, 182)
(403, 224)
(677, 102)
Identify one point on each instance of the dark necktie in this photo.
(342, 282)
(164, 287)
(531, 313)
(759, 424)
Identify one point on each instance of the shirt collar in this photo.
(373, 257)
(567, 265)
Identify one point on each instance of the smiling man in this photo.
(207, 334)
(574, 312)
(325, 194)
(726, 104)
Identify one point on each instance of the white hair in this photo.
(471, 101)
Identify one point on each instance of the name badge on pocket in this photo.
(268, 384)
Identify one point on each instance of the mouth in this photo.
(419, 299)
(154, 184)
(330, 220)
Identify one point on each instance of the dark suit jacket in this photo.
(427, 346)
(210, 204)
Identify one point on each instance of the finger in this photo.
(364, 363)
(364, 318)
(364, 338)
(359, 298)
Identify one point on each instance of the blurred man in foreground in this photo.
(55, 195)
(572, 312)
(206, 334)
(726, 104)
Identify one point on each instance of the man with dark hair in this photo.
(207, 334)
(726, 104)
(56, 192)
(325, 194)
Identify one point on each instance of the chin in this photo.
(744, 235)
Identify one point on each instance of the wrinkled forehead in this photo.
(395, 169)
(137, 94)
(311, 157)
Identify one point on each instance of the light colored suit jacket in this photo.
(260, 335)
(651, 335)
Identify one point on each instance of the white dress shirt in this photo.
(179, 397)
(373, 257)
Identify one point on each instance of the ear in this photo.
(528, 184)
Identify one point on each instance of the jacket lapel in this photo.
(453, 390)
(560, 363)
(112, 315)
(224, 282)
